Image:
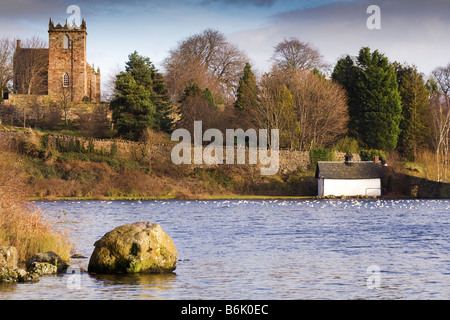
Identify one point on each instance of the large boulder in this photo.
(139, 247)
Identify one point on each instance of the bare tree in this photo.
(208, 60)
(294, 54)
(31, 66)
(6, 64)
(96, 122)
(322, 111)
(196, 108)
(109, 91)
(64, 98)
(440, 114)
(308, 110)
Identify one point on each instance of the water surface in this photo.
(305, 249)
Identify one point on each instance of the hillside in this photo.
(72, 166)
(67, 166)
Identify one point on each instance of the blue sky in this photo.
(412, 31)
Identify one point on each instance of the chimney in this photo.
(18, 44)
(377, 159)
(348, 158)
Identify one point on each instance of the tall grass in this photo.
(21, 224)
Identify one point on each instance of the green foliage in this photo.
(347, 144)
(369, 155)
(211, 177)
(44, 142)
(414, 96)
(113, 151)
(320, 155)
(374, 99)
(210, 98)
(142, 100)
(247, 92)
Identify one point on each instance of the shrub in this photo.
(347, 144)
(369, 155)
(320, 155)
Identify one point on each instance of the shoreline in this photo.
(148, 198)
(219, 197)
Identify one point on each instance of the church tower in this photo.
(69, 75)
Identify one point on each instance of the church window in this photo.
(66, 80)
(66, 42)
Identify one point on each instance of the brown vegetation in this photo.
(21, 224)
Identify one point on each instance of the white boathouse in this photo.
(349, 178)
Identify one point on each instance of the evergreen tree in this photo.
(374, 99)
(414, 97)
(247, 92)
(210, 98)
(142, 99)
(132, 108)
(346, 73)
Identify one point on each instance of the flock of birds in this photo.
(344, 204)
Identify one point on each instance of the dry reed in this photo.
(21, 224)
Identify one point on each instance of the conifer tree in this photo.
(247, 92)
(210, 98)
(142, 99)
(414, 96)
(374, 99)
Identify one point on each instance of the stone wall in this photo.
(289, 160)
(27, 100)
(396, 185)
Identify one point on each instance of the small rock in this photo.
(17, 275)
(48, 257)
(42, 268)
(8, 257)
(24, 276)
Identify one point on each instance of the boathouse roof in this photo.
(349, 170)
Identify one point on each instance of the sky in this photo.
(416, 32)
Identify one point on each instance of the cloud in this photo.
(257, 3)
(412, 31)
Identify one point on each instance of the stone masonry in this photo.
(69, 77)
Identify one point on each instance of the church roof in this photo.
(349, 170)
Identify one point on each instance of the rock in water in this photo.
(140, 247)
(8, 257)
(49, 257)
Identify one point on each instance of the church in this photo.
(61, 71)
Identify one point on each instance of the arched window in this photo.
(66, 42)
(66, 80)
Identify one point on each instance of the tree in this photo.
(374, 98)
(294, 54)
(440, 114)
(414, 99)
(31, 67)
(309, 110)
(141, 100)
(247, 92)
(64, 95)
(6, 64)
(207, 59)
(196, 105)
(346, 73)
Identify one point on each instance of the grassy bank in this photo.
(72, 169)
(75, 168)
(22, 225)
